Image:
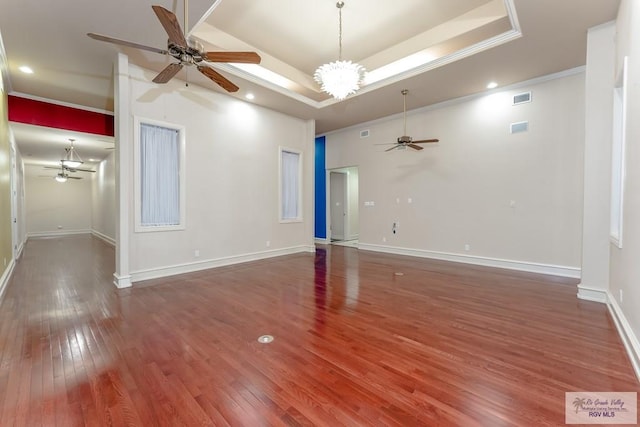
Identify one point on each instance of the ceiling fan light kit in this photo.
(186, 53)
(340, 78)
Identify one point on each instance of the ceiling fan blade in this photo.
(126, 43)
(168, 73)
(415, 147)
(233, 57)
(392, 148)
(73, 177)
(221, 80)
(423, 141)
(79, 170)
(171, 25)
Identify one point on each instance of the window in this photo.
(159, 168)
(618, 156)
(290, 185)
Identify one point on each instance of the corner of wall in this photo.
(629, 339)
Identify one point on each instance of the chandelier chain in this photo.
(339, 6)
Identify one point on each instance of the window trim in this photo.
(299, 218)
(138, 226)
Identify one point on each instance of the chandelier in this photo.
(340, 78)
(72, 158)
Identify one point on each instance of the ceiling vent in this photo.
(364, 133)
(519, 127)
(522, 98)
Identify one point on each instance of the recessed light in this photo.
(492, 85)
(250, 96)
(25, 69)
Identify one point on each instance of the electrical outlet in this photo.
(59, 227)
(268, 243)
(384, 239)
(467, 247)
(196, 253)
(621, 296)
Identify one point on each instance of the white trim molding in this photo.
(173, 270)
(58, 233)
(109, 240)
(121, 282)
(588, 293)
(319, 241)
(555, 270)
(629, 339)
(6, 276)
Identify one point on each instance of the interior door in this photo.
(337, 199)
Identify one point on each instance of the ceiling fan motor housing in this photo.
(186, 55)
(405, 140)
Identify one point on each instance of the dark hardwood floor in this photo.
(360, 339)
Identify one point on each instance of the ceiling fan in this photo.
(69, 169)
(186, 53)
(61, 176)
(405, 140)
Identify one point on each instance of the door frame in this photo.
(345, 203)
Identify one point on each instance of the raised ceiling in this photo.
(463, 44)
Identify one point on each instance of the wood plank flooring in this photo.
(360, 339)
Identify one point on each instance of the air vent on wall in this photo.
(519, 127)
(521, 98)
(364, 133)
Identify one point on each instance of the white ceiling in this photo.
(293, 37)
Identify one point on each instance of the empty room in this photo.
(331, 213)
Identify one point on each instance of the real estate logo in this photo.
(601, 408)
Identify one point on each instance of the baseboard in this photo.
(103, 237)
(20, 248)
(629, 339)
(6, 276)
(155, 273)
(318, 241)
(592, 294)
(121, 282)
(57, 233)
(555, 270)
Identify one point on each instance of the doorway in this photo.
(343, 206)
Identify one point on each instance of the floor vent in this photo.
(522, 98)
(519, 127)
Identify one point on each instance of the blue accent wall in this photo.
(320, 190)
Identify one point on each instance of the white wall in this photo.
(232, 179)
(20, 199)
(53, 208)
(509, 197)
(597, 162)
(624, 265)
(104, 200)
